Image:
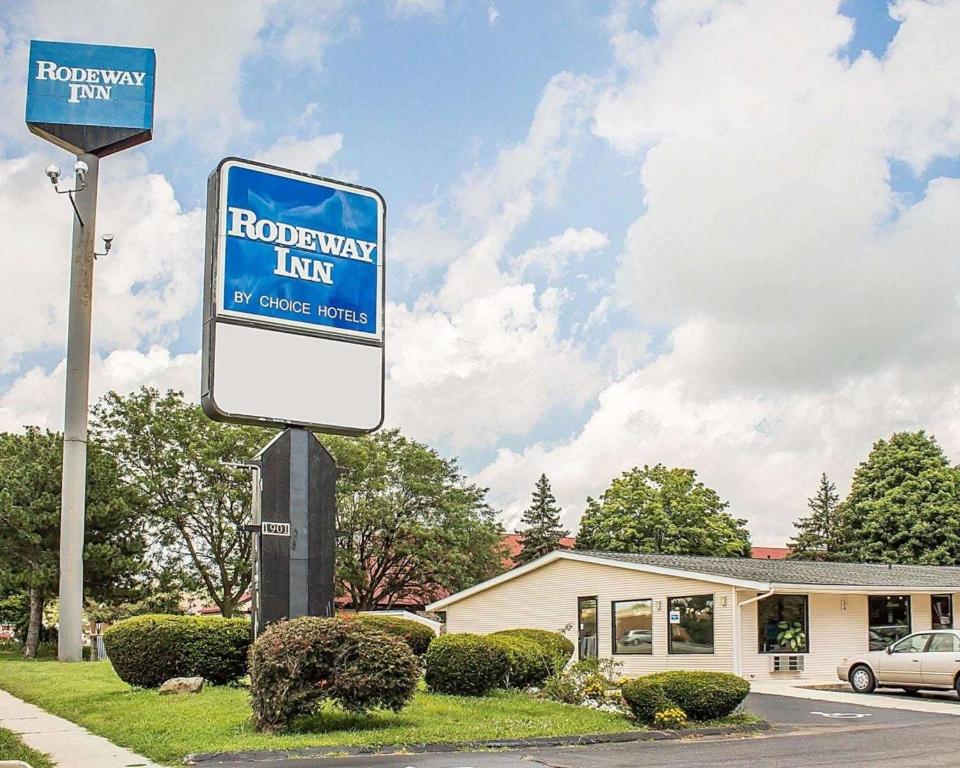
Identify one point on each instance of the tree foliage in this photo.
(656, 509)
(176, 460)
(541, 520)
(904, 504)
(820, 535)
(408, 523)
(114, 543)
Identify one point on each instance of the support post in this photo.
(77, 401)
(297, 529)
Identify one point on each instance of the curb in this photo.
(214, 758)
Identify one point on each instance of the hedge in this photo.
(556, 645)
(418, 636)
(702, 695)
(297, 665)
(147, 650)
(465, 664)
(527, 664)
(645, 697)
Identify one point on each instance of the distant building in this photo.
(513, 544)
(770, 553)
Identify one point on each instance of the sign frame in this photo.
(216, 315)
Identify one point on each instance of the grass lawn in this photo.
(11, 748)
(218, 719)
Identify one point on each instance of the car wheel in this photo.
(862, 679)
(956, 685)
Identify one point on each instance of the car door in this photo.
(902, 665)
(941, 660)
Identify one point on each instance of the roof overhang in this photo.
(560, 554)
(847, 589)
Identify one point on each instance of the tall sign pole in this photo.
(293, 337)
(77, 397)
(92, 100)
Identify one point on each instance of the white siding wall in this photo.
(546, 598)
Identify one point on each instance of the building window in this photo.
(889, 619)
(632, 626)
(782, 623)
(941, 611)
(691, 624)
(587, 630)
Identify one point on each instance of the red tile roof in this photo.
(770, 553)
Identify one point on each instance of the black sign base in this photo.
(298, 530)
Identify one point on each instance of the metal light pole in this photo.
(73, 492)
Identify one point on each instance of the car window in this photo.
(912, 644)
(945, 643)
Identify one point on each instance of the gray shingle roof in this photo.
(799, 571)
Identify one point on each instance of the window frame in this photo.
(613, 627)
(933, 598)
(596, 622)
(806, 625)
(909, 606)
(713, 625)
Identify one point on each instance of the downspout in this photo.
(737, 650)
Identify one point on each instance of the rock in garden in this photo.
(182, 685)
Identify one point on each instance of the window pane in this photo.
(782, 622)
(889, 619)
(587, 609)
(945, 643)
(691, 624)
(941, 610)
(633, 626)
(913, 644)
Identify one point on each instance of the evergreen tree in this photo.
(541, 520)
(820, 534)
(663, 510)
(904, 504)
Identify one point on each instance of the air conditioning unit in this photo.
(785, 663)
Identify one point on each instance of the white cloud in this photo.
(492, 15)
(810, 310)
(551, 257)
(146, 285)
(482, 357)
(303, 154)
(36, 398)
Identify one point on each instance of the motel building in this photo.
(654, 612)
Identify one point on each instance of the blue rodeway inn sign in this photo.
(293, 300)
(90, 98)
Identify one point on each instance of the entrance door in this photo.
(587, 622)
(941, 611)
(903, 663)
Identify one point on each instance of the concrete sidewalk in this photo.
(67, 744)
(799, 689)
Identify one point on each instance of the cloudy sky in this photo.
(718, 234)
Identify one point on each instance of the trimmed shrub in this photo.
(297, 665)
(556, 646)
(527, 663)
(465, 664)
(417, 636)
(645, 697)
(703, 695)
(147, 650)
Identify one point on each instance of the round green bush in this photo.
(297, 665)
(465, 664)
(527, 663)
(645, 697)
(147, 650)
(556, 645)
(703, 695)
(418, 636)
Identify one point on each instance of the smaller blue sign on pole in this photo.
(95, 99)
(292, 252)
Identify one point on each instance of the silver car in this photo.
(924, 660)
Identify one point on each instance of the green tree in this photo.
(541, 520)
(904, 504)
(820, 534)
(114, 544)
(177, 461)
(408, 523)
(656, 509)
